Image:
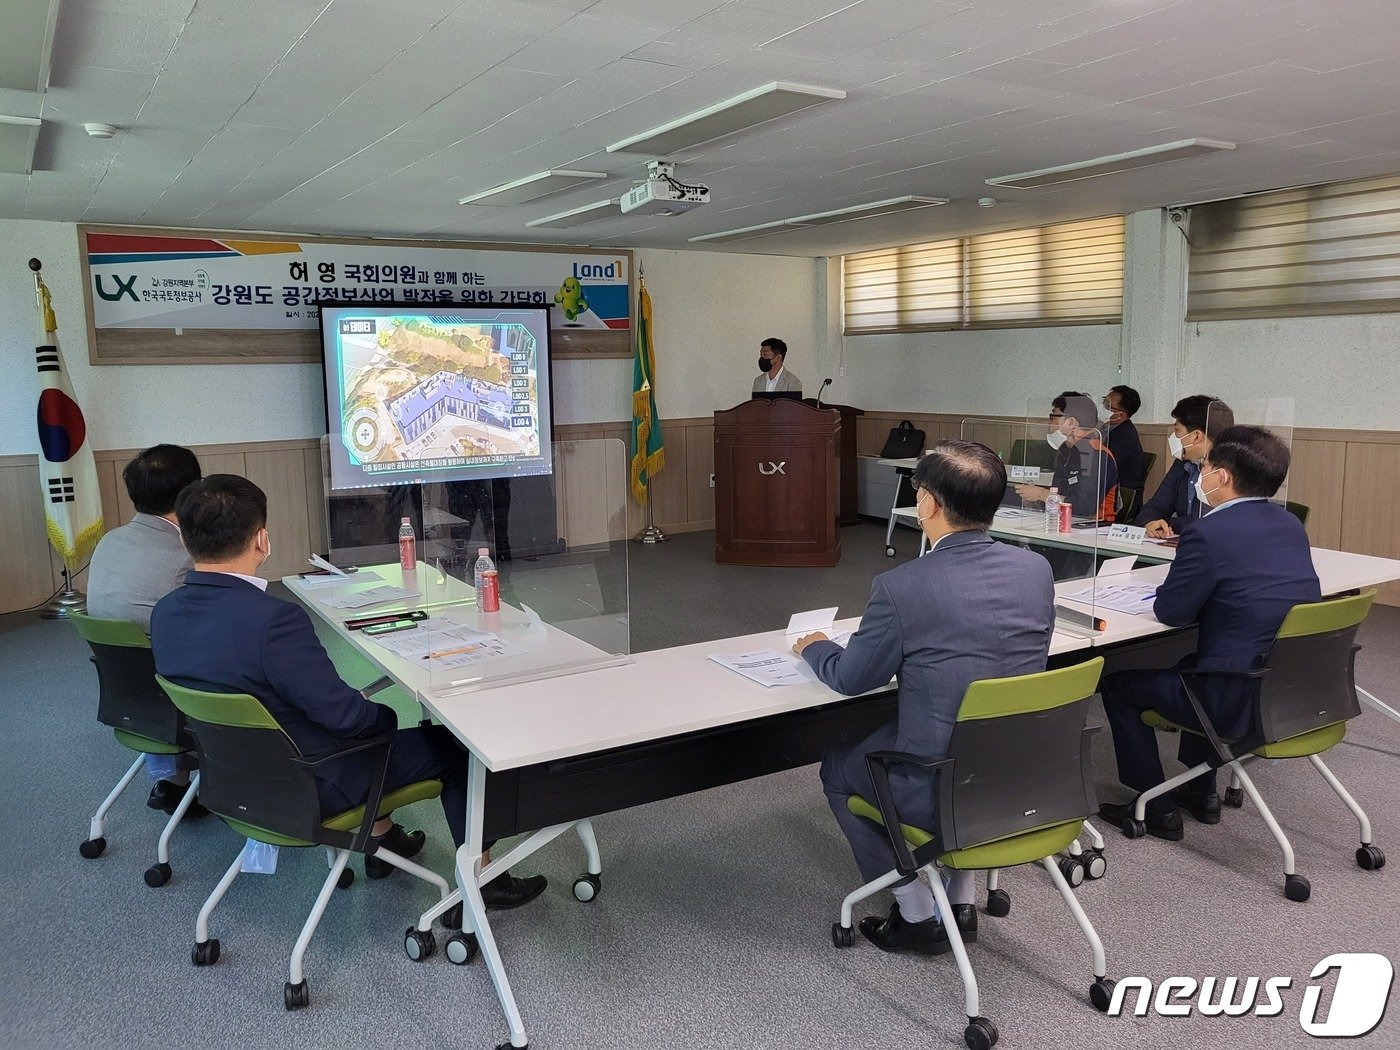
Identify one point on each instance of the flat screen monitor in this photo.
(774, 395)
(420, 393)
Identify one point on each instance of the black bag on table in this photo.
(904, 442)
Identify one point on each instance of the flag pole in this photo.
(650, 534)
(68, 600)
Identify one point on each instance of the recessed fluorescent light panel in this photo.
(866, 211)
(541, 184)
(725, 118)
(18, 137)
(579, 216)
(1088, 169)
(826, 218)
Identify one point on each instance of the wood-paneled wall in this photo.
(1344, 476)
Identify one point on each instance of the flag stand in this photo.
(650, 534)
(66, 602)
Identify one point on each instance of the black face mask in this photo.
(765, 364)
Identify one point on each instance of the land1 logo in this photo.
(615, 271)
(1359, 996)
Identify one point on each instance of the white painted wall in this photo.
(710, 311)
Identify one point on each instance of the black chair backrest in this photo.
(128, 697)
(1311, 679)
(1020, 757)
(250, 769)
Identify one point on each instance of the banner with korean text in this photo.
(179, 297)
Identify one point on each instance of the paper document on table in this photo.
(448, 646)
(767, 667)
(312, 583)
(371, 596)
(1134, 598)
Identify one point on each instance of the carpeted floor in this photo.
(713, 926)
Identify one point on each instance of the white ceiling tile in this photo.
(110, 40)
(862, 25)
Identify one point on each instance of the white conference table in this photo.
(618, 707)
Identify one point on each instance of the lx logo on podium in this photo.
(772, 468)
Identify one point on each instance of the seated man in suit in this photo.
(1120, 404)
(1195, 422)
(221, 632)
(1084, 472)
(971, 608)
(772, 353)
(1237, 572)
(139, 563)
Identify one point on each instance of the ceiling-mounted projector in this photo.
(662, 194)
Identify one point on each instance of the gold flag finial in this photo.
(45, 299)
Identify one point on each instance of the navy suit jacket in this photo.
(1237, 573)
(225, 635)
(971, 608)
(1175, 500)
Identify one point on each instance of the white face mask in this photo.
(1056, 438)
(922, 517)
(267, 553)
(1201, 493)
(1105, 414)
(1175, 447)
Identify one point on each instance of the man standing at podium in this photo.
(775, 378)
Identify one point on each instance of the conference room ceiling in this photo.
(373, 117)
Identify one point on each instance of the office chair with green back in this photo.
(1015, 788)
(142, 718)
(1302, 699)
(258, 782)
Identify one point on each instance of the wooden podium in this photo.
(776, 487)
(848, 510)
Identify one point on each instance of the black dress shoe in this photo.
(1204, 807)
(505, 891)
(893, 934)
(166, 796)
(407, 844)
(965, 915)
(1163, 825)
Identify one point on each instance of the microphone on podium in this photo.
(825, 383)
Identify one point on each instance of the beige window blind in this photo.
(1331, 249)
(1071, 273)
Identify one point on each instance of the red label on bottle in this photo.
(407, 556)
(1065, 511)
(490, 592)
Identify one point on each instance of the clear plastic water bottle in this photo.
(487, 582)
(1052, 510)
(408, 546)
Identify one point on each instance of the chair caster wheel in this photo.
(1370, 857)
(1133, 829)
(205, 953)
(347, 878)
(92, 848)
(1234, 797)
(418, 944)
(157, 875)
(1101, 994)
(1296, 888)
(1095, 866)
(889, 551)
(295, 995)
(842, 936)
(461, 948)
(998, 904)
(1072, 870)
(508, 1045)
(980, 1034)
(587, 887)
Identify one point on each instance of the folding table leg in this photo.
(468, 875)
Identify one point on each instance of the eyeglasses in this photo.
(1057, 415)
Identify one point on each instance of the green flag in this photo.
(648, 451)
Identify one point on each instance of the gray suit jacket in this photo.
(134, 567)
(971, 608)
(787, 380)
